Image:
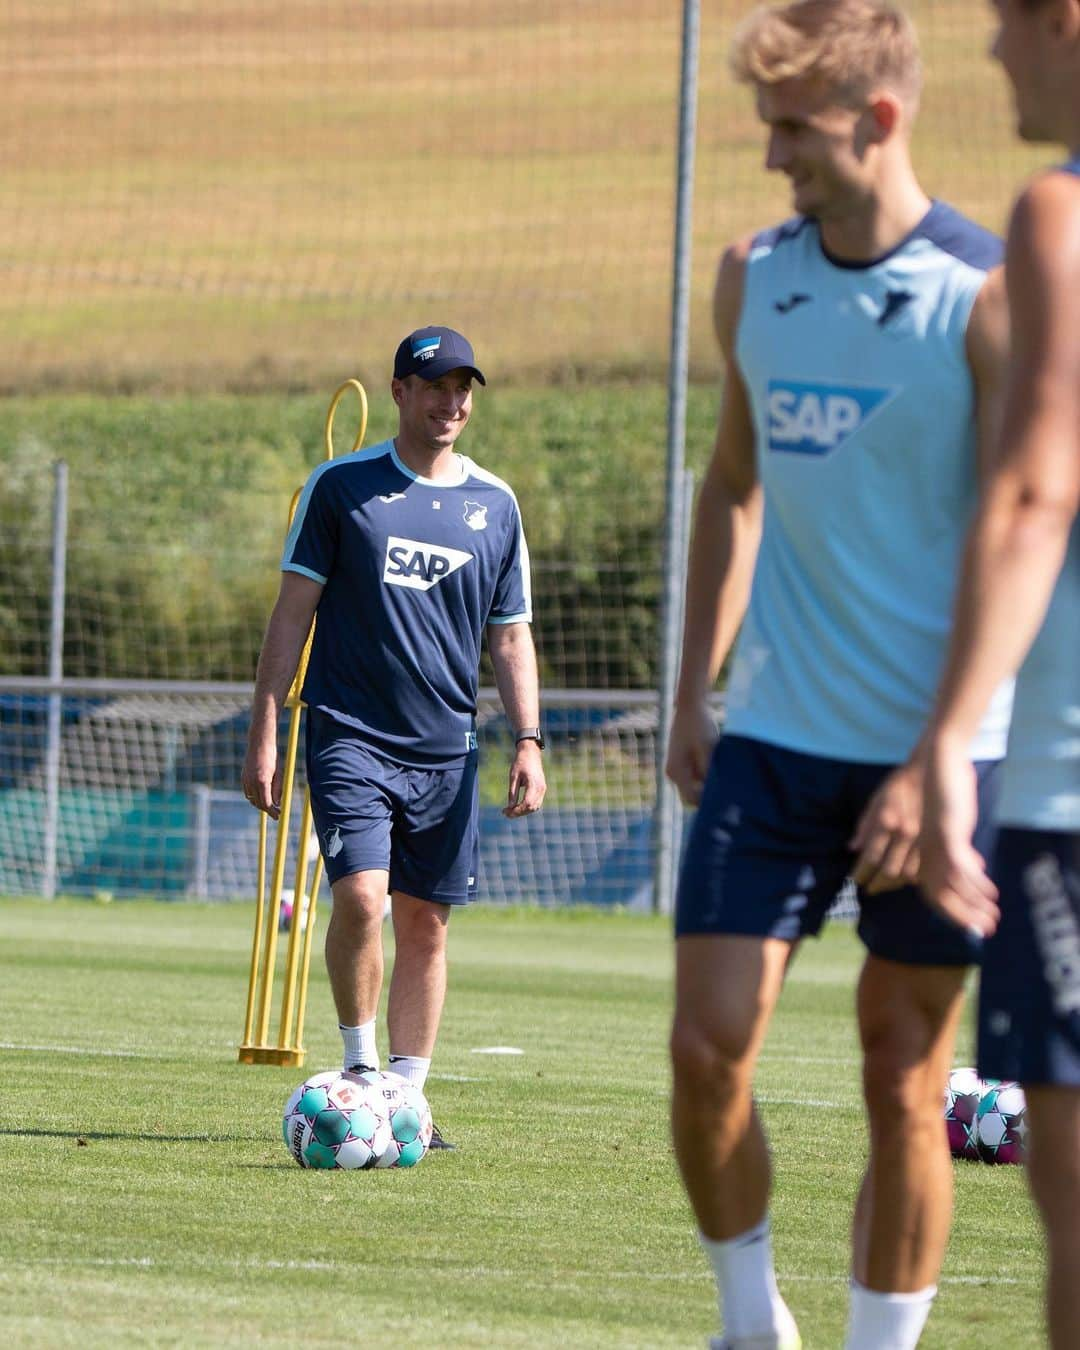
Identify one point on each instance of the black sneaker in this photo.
(360, 1068)
(437, 1141)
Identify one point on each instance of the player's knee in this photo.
(358, 902)
(897, 1087)
(705, 1061)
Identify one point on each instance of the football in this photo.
(409, 1116)
(334, 1120)
(963, 1093)
(1001, 1123)
(288, 908)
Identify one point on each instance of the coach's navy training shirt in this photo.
(412, 571)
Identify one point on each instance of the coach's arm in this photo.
(288, 629)
(514, 658)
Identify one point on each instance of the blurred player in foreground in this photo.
(1019, 602)
(864, 342)
(406, 552)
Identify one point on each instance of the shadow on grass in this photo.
(84, 1137)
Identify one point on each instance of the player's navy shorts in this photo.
(1029, 996)
(768, 854)
(420, 825)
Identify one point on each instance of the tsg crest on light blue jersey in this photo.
(812, 419)
(863, 406)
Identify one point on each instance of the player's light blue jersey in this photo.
(1041, 787)
(412, 571)
(864, 418)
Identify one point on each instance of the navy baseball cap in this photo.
(431, 352)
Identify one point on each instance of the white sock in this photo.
(750, 1302)
(887, 1321)
(360, 1045)
(411, 1067)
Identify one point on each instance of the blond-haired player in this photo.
(1020, 602)
(864, 342)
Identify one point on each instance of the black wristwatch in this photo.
(529, 734)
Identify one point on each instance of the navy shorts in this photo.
(420, 825)
(768, 854)
(1029, 997)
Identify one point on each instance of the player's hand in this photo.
(690, 746)
(261, 778)
(886, 839)
(527, 782)
(953, 873)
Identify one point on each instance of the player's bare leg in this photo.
(354, 952)
(726, 989)
(418, 981)
(908, 1017)
(725, 992)
(1053, 1168)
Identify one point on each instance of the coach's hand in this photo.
(690, 747)
(261, 778)
(952, 872)
(527, 782)
(886, 839)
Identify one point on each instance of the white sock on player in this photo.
(360, 1045)
(887, 1321)
(411, 1067)
(750, 1302)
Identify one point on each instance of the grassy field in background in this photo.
(148, 1199)
(217, 193)
(177, 512)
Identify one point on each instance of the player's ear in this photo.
(885, 113)
(397, 391)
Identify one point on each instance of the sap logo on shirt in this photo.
(813, 419)
(420, 566)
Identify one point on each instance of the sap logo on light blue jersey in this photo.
(420, 566)
(813, 419)
(423, 349)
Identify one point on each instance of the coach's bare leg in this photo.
(354, 951)
(908, 1017)
(418, 982)
(1053, 1169)
(725, 992)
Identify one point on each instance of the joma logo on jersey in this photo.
(420, 566)
(813, 419)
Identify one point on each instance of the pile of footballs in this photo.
(985, 1119)
(357, 1121)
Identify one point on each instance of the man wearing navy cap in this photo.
(407, 552)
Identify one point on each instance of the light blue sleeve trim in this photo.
(513, 618)
(304, 572)
(372, 452)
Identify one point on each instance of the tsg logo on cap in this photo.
(433, 352)
(424, 348)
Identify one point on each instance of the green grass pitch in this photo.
(147, 1198)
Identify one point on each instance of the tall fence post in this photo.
(667, 812)
(56, 671)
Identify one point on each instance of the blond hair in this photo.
(850, 47)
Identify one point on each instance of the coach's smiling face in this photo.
(432, 414)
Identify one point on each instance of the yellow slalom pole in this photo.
(256, 944)
(339, 394)
(300, 919)
(305, 960)
(289, 1050)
